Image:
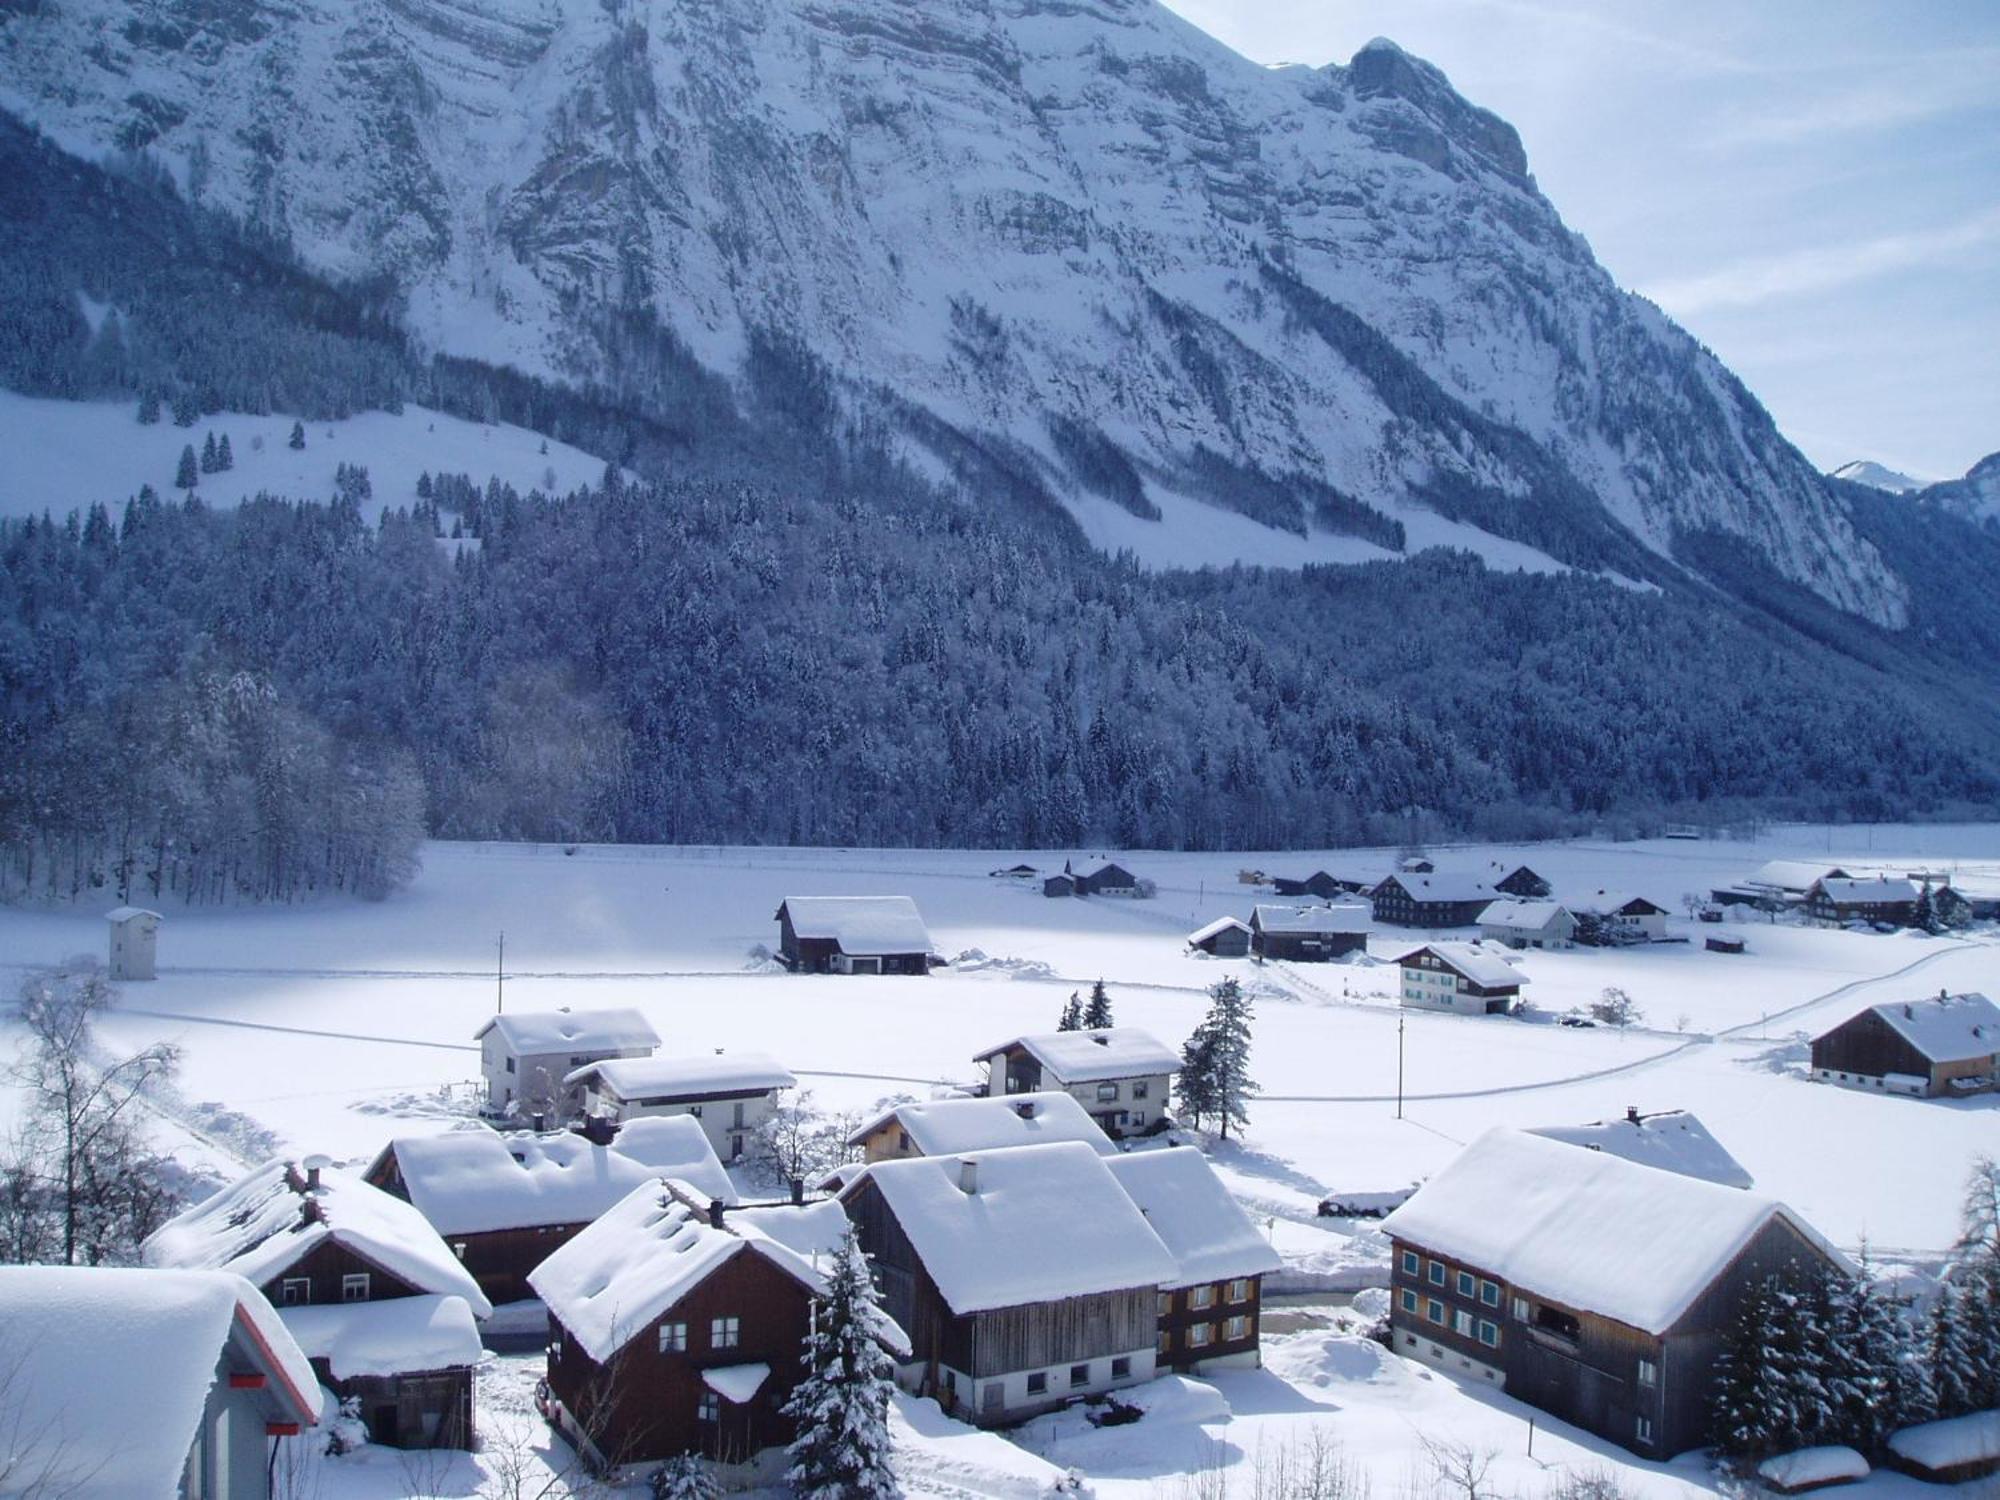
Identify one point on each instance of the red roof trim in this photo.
(298, 1397)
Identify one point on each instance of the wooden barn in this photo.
(377, 1301)
(1883, 899)
(1225, 937)
(1461, 977)
(945, 1127)
(1518, 881)
(1119, 1074)
(852, 935)
(1105, 879)
(505, 1203)
(1597, 1289)
(1435, 900)
(1025, 1277)
(1945, 1047)
(1308, 934)
(1319, 884)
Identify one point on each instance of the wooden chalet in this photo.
(1434, 900)
(945, 1127)
(1210, 1314)
(1596, 1289)
(1464, 978)
(126, 1383)
(1308, 934)
(1024, 1277)
(1225, 937)
(1946, 1047)
(1119, 1074)
(852, 935)
(1528, 924)
(1518, 881)
(379, 1304)
(1319, 884)
(1106, 879)
(505, 1203)
(525, 1057)
(732, 1094)
(1891, 900)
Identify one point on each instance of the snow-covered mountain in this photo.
(1876, 477)
(1075, 241)
(1976, 497)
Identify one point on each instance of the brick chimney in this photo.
(968, 1176)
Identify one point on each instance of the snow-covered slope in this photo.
(1876, 477)
(1076, 242)
(1975, 497)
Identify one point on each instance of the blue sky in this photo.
(1811, 187)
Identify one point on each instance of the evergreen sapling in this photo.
(1097, 1015)
(842, 1450)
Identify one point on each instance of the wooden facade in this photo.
(1823, 906)
(1524, 883)
(1107, 880)
(1210, 1323)
(1304, 947)
(1319, 883)
(807, 955)
(1865, 1051)
(1229, 941)
(1401, 905)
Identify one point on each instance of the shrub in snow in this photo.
(683, 1477)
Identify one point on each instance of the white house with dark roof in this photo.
(732, 1093)
(1465, 978)
(1210, 1314)
(944, 1127)
(852, 935)
(1945, 1047)
(130, 1384)
(524, 1057)
(1119, 1074)
(1528, 924)
(1672, 1140)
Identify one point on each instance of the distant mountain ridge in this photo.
(1876, 477)
(1070, 250)
(1974, 498)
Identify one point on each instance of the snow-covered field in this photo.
(331, 1026)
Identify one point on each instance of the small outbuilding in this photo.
(1225, 937)
(1945, 1047)
(853, 935)
(135, 933)
(1308, 934)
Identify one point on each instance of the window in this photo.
(1520, 1309)
(1489, 1333)
(1489, 1293)
(354, 1287)
(295, 1291)
(1409, 1300)
(1461, 1324)
(695, 1110)
(1643, 1430)
(1236, 1328)
(1434, 1309)
(709, 1408)
(1238, 1290)
(1121, 1368)
(458, 1248)
(577, 1062)
(1038, 1383)
(510, 1065)
(1106, 1092)
(1079, 1374)
(1166, 1304)
(1139, 1091)
(736, 1120)
(1468, 1284)
(1437, 1273)
(673, 1338)
(903, 1140)
(1412, 1263)
(1200, 1335)
(1649, 1373)
(1200, 1297)
(724, 1333)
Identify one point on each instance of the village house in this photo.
(124, 1384)
(1671, 1139)
(1946, 1047)
(1024, 1277)
(1610, 917)
(1446, 899)
(1308, 934)
(1460, 977)
(1528, 924)
(1210, 1314)
(135, 933)
(676, 1325)
(945, 1127)
(1320, 884)
(505, 1203)
(852, 935)
(1881, 899)
(1120, 1075)
(732, 1094)
(377, 1301)
(1105, 879)
(1225, 937)
(1596, 1289)
(1517, 880)
(525, 1057)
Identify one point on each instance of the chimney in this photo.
(1632, 1113)
(599, 1130)
(968, 1176)
(314, 1165)
(715, 1213)
(798, 1192)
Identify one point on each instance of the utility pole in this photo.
(1399, 1063)
(500, 980)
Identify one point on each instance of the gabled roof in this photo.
(1334, 921)
(1213, 929)
(1102, 868)
(1525, 916)
(1946, 1028)
(108, 1371)
(862, 926)
(1042, 1223)
(707, 1076)
(530, 1033)
(1881, 888)
(1587, 1229)
(1211, 1238)
(1092, 1056)
(127, 913)
(261, 1224)
(1793, 874)
(1673, 1141)
(1480, 965)
(647, 1252)
(1617, 904)
(1443, 885)
(474, 1181)
(940, 1127)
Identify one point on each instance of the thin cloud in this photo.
(1823, 268)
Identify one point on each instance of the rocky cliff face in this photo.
(1185, 296)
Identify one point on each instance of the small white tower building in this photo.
(133, 933)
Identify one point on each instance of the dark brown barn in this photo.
(1880, 900)
(1319, 883)
(1308, 934)
(1947, 1046)
(1225, 937)
(1521, 882)
(1594, 1288)
(1447, 900)
(852, 935)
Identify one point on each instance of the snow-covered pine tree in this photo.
(1097, 1015)
(424, 485)
(187, 411)
(1954, 1366)
(298, 437)
(682, 1477)
(1924, 916)
(842, 1406)
(208, 463)
(224, 459)
(187, 476)
(1785, 1391)
(1228, 1028)
(1741, 1422)
(1194, 1088)
(1072, 1014)
(149, 408)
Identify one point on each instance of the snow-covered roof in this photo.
(1882, 888)
(738, 1384)
(1522, 916)
(1345, 919)
(1946, 1028)
(1616, 904)
(1041, 1223)
(1674, 1141)
(939, 1127)
(1792, 874)
(1808, 1468)
(1973, 1439)
(708, 1076)
(1102, 867)
(1587, 1229)
(537, 1032)
(396, 1336)
(108, 1371)
(1482, 966)
(262, 1223)
(473, 1181)
(127, 913)
(1091, 1056)
(1445, 885)
(1211, 1238)
(1219, 925)
(865, 926)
